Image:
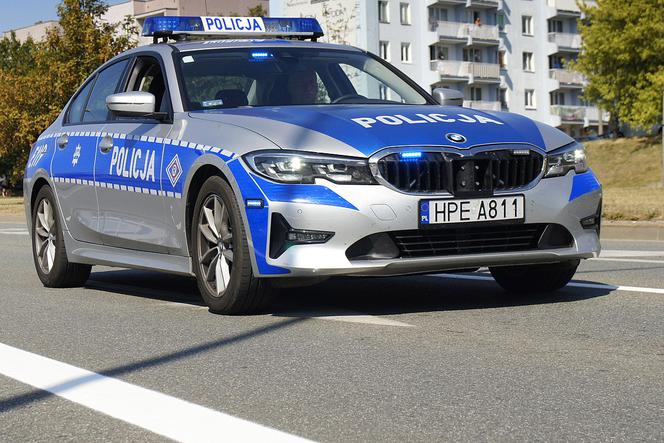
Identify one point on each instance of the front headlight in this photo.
(298, 167)
(565, 159)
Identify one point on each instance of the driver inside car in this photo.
(303, 87)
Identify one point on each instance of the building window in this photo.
(528, 64)
(500, 19)
(503, 98)
(472, 55)
(555, 26)
(382, 91)
(383, 11)
(502, 59)
(475, 94)
(384, 50)
(557, 98)
(529, 99)
(404, 13)
(439, 52)
(437, 14)
(405, 53)
(526, 25)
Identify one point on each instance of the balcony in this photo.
(467, 33)
(564, 7)
(567, 78)
(474, 72)
(565, 41)
(585, 115)
(482, 104)
(567, 8)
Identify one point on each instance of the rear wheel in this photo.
(221, 253)
(48, 246)
(535, 278)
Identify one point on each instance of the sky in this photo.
(19, 13)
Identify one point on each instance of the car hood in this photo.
(364, 130)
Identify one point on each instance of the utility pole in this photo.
(662, 131)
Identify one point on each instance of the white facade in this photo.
(141, 9)
(512, 58)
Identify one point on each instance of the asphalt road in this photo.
(426, 358)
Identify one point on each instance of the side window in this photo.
(106, 84)
(147, 76)
(75, 113)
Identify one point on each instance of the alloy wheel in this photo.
(45, 236)
(215, 245)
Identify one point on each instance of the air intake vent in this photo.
(467, 240)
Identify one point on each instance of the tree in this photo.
(623, 58)
(38, 78)
(257, 11)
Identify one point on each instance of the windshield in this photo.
(231, 78)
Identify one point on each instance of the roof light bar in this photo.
(232, 27)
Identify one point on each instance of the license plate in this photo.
(452, 211)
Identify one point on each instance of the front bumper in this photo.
(374, 209)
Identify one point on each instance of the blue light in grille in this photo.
(410, 155)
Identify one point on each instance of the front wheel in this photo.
(221, 253)
(535, 278)
(48, 246)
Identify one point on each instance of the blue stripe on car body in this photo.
(583, 184)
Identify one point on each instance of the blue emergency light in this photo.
(411, 155)
(233, 27)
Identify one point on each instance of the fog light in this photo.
(283, 236)
(303, 236)
(589, 222)
(593, 221)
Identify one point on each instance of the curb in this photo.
(645, 231)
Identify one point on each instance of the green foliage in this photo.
(257, 11)
(38, 78)
(623, 58)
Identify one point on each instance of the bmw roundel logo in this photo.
(454, 137)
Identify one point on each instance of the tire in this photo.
(48, 245)
(535, 278)
(221, 253)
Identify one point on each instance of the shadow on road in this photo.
(373, 296)
(17, 401)
(402, 295)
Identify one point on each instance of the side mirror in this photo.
(134, 104)
(448, 97)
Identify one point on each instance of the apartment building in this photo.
(502, 54)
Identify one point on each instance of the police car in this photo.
(243, 152)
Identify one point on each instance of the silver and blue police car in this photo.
(242, 152)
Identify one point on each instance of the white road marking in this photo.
(573, 284)
(619, 253)
(156, 412)
(13, 231)
(177, 304)
(356, 317)
(629, 260)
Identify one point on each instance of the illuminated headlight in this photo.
(565, 159)
(298, 167)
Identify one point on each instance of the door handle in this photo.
(62, 141)
(106, 144)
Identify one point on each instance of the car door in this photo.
(72, 168)
(129, 168)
